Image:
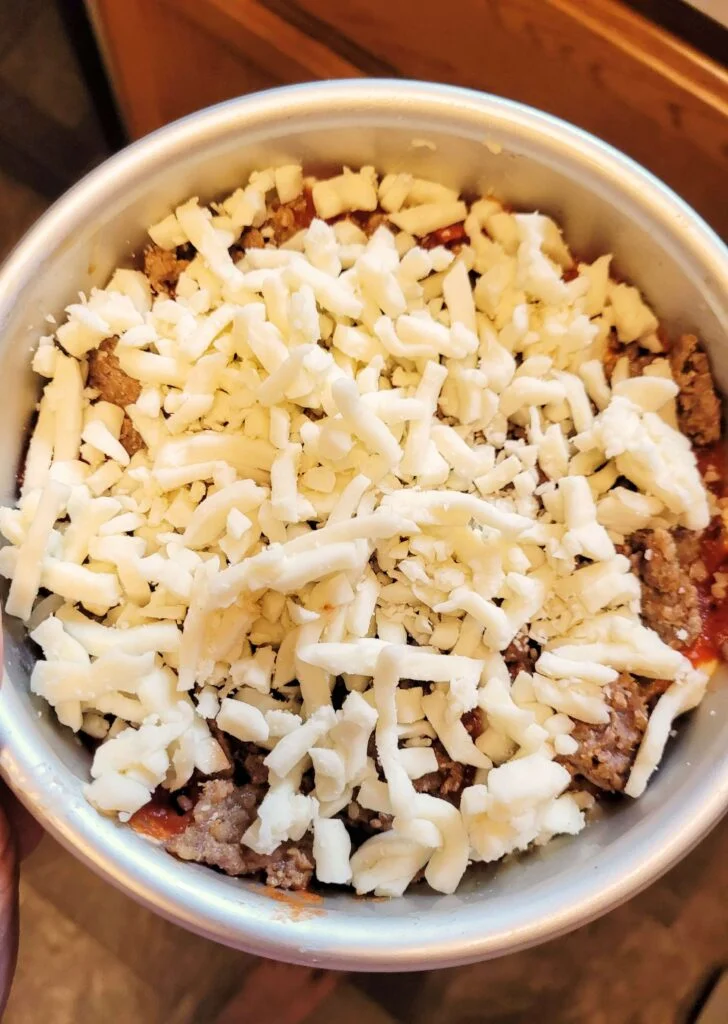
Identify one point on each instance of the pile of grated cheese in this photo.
(366, 460)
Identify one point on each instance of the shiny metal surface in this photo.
(606, 203)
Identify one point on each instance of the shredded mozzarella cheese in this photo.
(368, 464)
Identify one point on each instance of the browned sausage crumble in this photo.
(113, 385)
(163, 268)
(670, 568)
(698, 404)
(606, 752)
(669, 562)
(220, 817)
(670, 600)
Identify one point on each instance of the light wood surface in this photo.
(593, 62)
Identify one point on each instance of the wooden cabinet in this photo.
(593, 62)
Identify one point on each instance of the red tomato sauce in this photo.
(159, 819)
(451, 235)
(304, 211)
(713, 464)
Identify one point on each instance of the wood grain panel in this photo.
(592, 62)
(165, 66)
(261, 35)
(170, 57)
(126, 38)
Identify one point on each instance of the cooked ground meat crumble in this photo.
(118, 388)
(670, 599)
(220, 817)
(107, 377)
(222, 802)
(163, 268)
(698, 404)
(287, 219)
(638, 358)
(669, 566)
(521, 654)
(606, 752)
(449, 780)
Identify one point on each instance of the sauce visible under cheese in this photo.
(712, 644)
(374, 445)
(159, 819)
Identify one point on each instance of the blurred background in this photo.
(77, 81)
